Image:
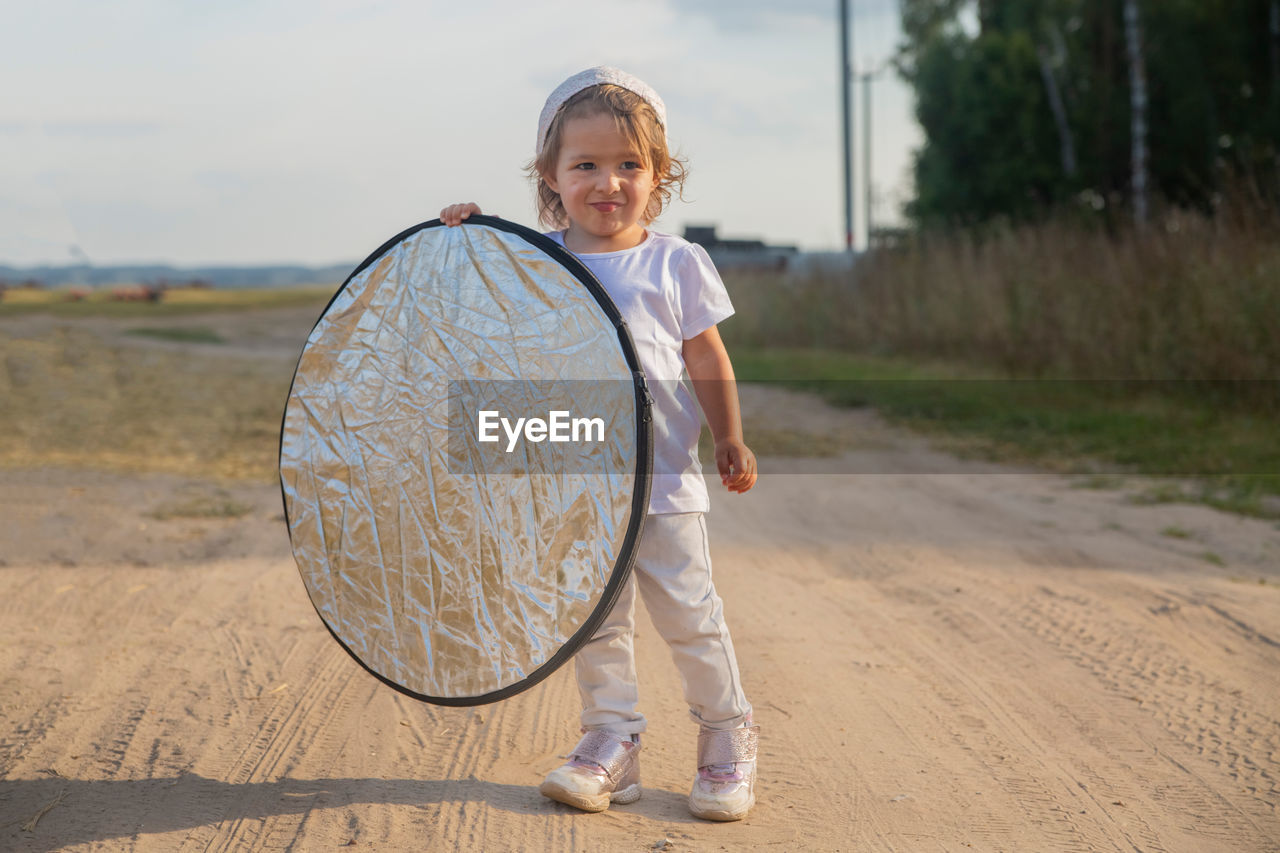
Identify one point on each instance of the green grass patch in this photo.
(209, 506)
(1219, 450)
(1162, 493)
(1173, 531)
(792, 444)
(180, 334)
(1101, 482)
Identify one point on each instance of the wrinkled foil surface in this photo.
(454, 584)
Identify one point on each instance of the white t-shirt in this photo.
(668, 291)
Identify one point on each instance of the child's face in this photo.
(603, 184)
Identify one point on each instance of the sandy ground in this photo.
(954, 656)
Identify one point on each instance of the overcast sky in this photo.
(284, 131)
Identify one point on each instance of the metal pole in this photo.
(845, 129)
(866, 155)
(1137, 110)
(1275, 55)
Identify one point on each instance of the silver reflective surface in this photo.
(452, 584)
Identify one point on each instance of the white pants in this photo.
(673, 571)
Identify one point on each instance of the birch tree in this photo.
(1137, 109)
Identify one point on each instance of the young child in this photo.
(603, 173)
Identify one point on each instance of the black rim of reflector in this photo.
(644, 453)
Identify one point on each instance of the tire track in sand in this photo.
(290, 727)
(984, 724)
(496, 757)
(1204, 715)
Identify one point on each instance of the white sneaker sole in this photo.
(589, 802)
(721, 813)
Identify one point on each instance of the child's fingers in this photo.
(454, 214)
(724, 464)
(739, 473)
(748, 476)
(743, 480)
(737, 466)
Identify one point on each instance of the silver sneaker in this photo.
(725, 787)
(603, 768)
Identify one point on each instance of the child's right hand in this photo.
(455, 213)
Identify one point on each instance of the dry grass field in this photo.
(194, 385)
(190, 392)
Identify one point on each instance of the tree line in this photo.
(1034, 106)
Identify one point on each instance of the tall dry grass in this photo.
(1191, 297)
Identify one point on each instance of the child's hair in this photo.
(636, 120)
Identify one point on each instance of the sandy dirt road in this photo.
(954, 656)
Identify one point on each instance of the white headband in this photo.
(587, 79)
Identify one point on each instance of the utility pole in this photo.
(846, 130)
(1137, 110)
(1065, 144)
(1274, 50)
(867, 77)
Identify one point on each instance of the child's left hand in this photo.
(736, 463)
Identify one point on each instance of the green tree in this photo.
(990, 145)
(986, 75)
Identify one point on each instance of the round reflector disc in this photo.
(459, 553)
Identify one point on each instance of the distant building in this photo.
(739, 254)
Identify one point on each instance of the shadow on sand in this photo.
(93, 811)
